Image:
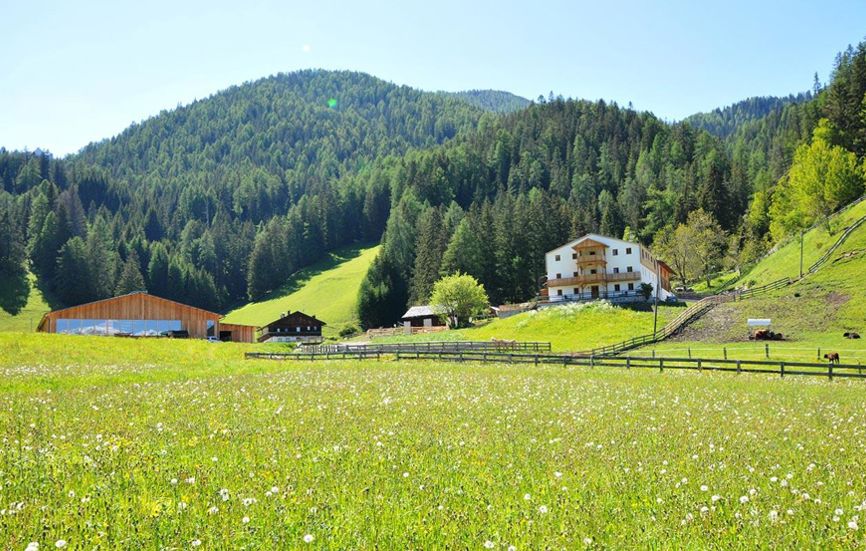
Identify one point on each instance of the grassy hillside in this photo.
(327, 290)
(27, 318)
(812, 314)
(786, 261)
(574, 327)
(173, 444)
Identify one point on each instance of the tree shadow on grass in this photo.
(303, 276)
(14, 292)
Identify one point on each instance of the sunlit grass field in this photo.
(571, 327)
(327, 290)
(108, 444)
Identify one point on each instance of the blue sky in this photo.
(76, 72)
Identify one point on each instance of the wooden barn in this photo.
(139, 314)
(293, 327)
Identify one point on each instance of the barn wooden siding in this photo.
(240, 333)
(142, 306)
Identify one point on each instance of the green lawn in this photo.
(786, 261)
(575, 327)
(28, 317)
(161, 444)
(327, 290)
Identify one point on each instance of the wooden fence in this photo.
(781, 368)
(431, 346)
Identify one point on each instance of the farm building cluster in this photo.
(140, 314)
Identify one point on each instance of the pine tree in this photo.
(430, 246)
(130, 279)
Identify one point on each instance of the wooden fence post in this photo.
(628, 362)
(725, 350)
(782, 369)
(700, 367)
(819, 352)
(830, 371)
(592, 361)
(767, 350)
(690, 352)
(661, 364)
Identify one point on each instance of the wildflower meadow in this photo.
(355, 455)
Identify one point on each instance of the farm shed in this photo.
(139, 314)
(293, 327)
(421, 316)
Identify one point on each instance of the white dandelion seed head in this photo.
(196, 543)
(542, 509)
(60, 544)
(489, 544)
(744, 499)
(245, 520)
(32, 546)
(308, 538)
(852, 524)
(704, 487)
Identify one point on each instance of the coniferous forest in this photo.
(220, 201)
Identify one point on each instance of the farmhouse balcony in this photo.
(591, 260)
(588, 279)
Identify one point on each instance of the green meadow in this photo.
(146, 444)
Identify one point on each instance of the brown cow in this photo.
(833, 357)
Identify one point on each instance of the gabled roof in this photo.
(419, 312)
(147, 296)
(596, 238)
(589, 244)
(296, 313)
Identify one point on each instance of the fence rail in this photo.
(781, 368)
(431, 346)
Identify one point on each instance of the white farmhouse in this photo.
(595, 266)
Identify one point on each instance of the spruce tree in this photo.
(130, 279)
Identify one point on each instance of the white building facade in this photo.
(595, 266)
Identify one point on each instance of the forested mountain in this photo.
(527, 182)
(725, 121)
(189, 190)
(496, 101)
(221, 200)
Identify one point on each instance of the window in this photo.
(556, 258)
(616, 287)
(575, 274)
(593, 271)
(574, 256)
(628, 250)
(616, 270)
(559, 292)
(591, 253)
(628, 269)
(576, 291)
(139, 328)
(615, 252)
(631, 286)
(558, 276)
(298, 329)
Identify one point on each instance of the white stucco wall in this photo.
(566, 267)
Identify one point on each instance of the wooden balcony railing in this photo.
(593, 278)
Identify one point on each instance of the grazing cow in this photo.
(851, 335)
(761, 334)
(832, 357)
